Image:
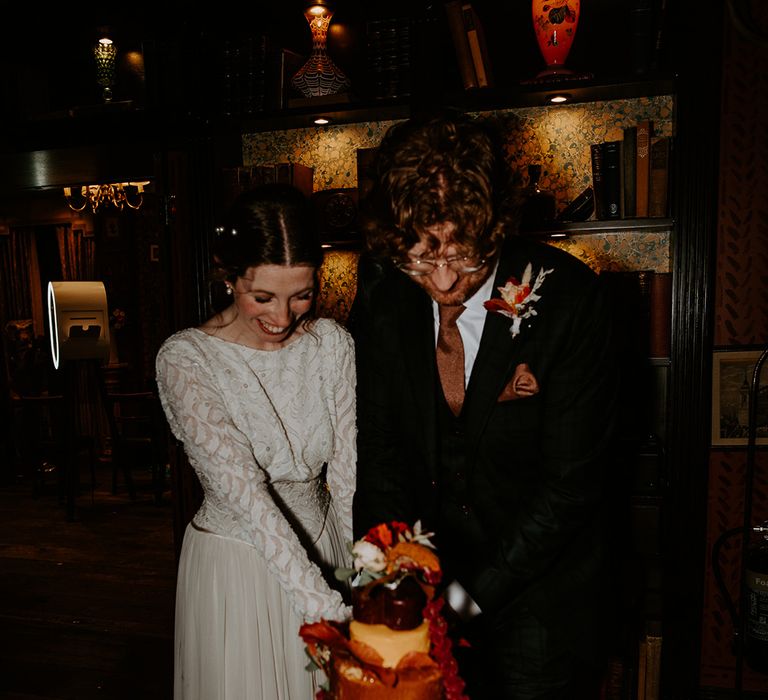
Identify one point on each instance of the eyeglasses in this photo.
(463, 264)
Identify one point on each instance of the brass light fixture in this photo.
(105, 53)
(114, 193)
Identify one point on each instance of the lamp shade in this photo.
(78, 321)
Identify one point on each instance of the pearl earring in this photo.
(229, 290)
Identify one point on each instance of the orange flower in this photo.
(410, 555)
(380, 535)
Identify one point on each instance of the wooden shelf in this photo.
(579, 91)
(336, 113)
(601, 226)
(347, 110)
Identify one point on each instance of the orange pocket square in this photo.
(522, 385)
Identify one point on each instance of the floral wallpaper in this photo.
(330, 150)
(337, 284)
(628, 251)
(557, 137)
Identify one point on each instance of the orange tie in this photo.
(450, 357)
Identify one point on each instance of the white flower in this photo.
(421, 537)
(517, 298)
(368, 556)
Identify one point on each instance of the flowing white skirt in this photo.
(236, 635)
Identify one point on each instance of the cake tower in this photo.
(396, 645)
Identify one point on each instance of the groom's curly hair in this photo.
(437, 169)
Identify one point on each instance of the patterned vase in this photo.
(319, 76)
(555, 22)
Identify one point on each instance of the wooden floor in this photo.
(86, 607)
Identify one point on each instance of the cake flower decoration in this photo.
(390, 549)
(517, 298)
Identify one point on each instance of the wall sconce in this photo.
(115, 194)
(105, 53)
(319, 76)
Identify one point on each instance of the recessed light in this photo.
(559, 98)
(320, 121)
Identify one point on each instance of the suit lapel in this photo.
(497, 355)
(416, 328)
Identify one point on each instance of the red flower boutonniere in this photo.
(517, 298)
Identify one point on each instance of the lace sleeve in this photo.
(341, 469)
(222, 458)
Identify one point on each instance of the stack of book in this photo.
(389, 57)
(253, 75)
(469, 43)
(630, 177)
(233, 181)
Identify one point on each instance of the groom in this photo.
(486, 404)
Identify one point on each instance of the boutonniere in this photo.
(517, 298)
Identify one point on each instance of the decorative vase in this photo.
(105, 54)
(319, 76)
(555, 22)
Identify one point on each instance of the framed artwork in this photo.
(732, 372)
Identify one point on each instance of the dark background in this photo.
(47, 68)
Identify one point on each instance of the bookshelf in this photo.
(346, 111)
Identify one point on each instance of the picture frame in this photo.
(732, 372)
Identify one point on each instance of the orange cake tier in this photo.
(391, 644)
(352, 682)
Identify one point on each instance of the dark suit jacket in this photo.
(536, 468)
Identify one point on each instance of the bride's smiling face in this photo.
(270, 300)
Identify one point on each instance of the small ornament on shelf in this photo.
(539, 206)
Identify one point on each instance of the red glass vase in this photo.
(555, 22)
(319, 76)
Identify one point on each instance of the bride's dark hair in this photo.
(273, 224)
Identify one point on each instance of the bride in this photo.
(262, 396)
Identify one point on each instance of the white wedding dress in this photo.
(271, 436)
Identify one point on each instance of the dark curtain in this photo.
(21, 310)
(20, 275)
(77, 253)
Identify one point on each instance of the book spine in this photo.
(612, 179)
(629, 155)
(365, 176)
(596, 154)
(268, 173)
(659, 178)
(652, 667)
(477, 46)
(642, 661)
(643, 160)
(460, 40)
(660, 331)
(296, 174)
